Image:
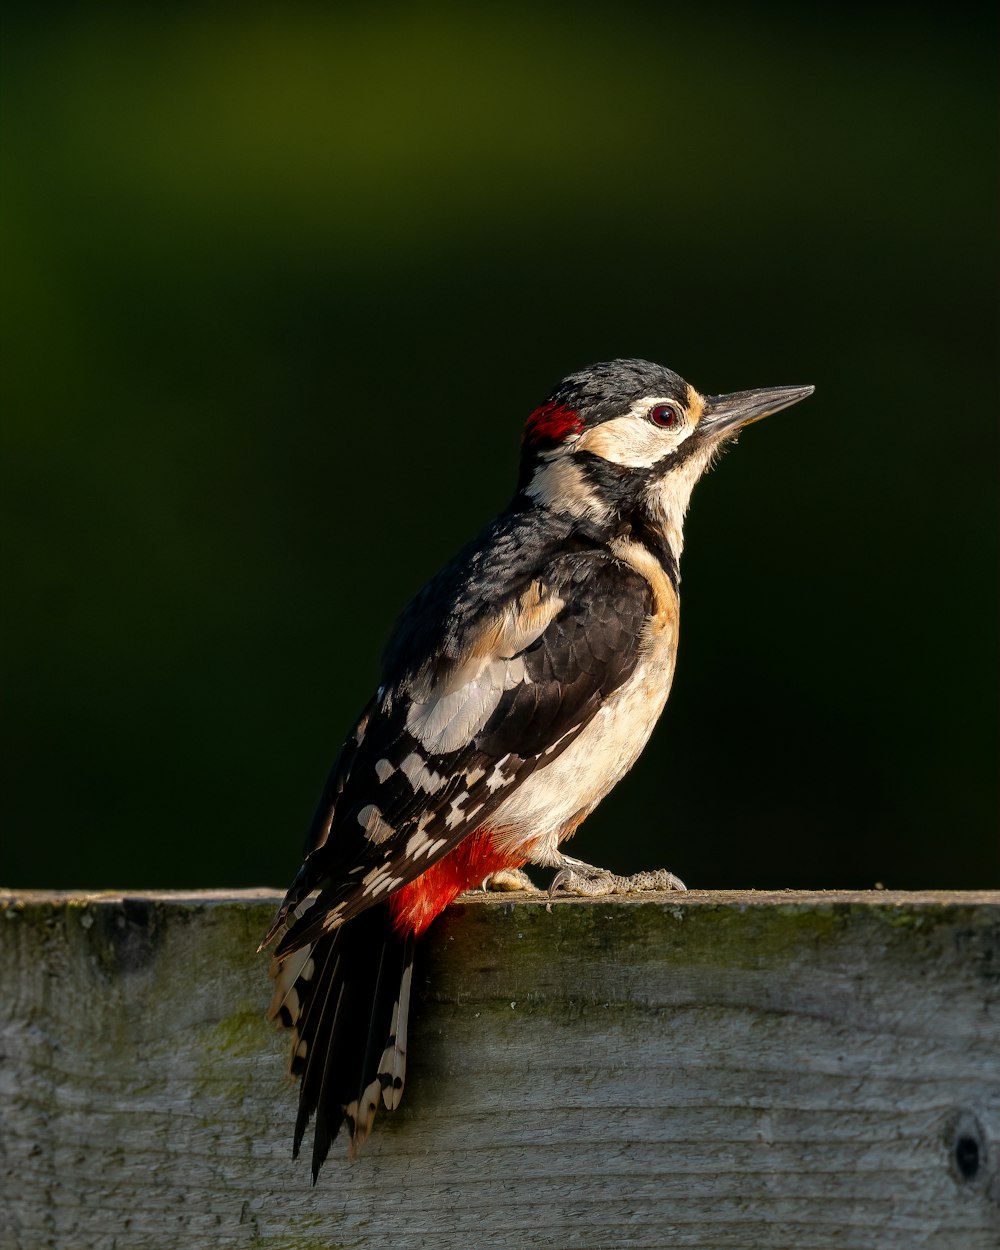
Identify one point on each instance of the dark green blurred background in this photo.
(281, 285)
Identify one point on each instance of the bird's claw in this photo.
(592, 882)
(510, 879)
(562, 877)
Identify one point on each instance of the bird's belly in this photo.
(556, 797)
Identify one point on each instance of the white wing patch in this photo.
(449, 710)
(380, 880)
(455, 816)
(450, 721)
(523, 621)
(420, 844)
(420, 776)
(496, 779)
(374, 824)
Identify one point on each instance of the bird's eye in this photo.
(665, 415)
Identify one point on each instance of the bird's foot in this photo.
(510, 879)
(576, 877)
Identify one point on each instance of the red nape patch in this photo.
(551, 423)
(463, 868)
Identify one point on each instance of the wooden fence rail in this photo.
(736, 1071)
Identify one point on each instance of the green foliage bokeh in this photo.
(281, 285)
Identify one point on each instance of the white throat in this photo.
(667, 500)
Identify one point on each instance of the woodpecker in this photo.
(518, 687)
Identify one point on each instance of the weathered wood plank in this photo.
(711, 1070)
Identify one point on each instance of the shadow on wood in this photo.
(710, 1070)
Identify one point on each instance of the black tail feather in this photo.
(314, 1029)
(366, 1095)
(347, 1007)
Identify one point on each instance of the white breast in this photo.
(557, 796)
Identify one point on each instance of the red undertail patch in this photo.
(464, 867)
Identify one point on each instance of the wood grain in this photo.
(710, 1070)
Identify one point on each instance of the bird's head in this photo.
(628, 439)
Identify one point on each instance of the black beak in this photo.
(724, 413)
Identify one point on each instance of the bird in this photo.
(517, 688)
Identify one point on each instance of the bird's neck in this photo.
(652, 536)
(599, 502)
(665, 500)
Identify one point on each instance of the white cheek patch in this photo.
(632, 439)
(560, 485)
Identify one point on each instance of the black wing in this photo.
(442, 746)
